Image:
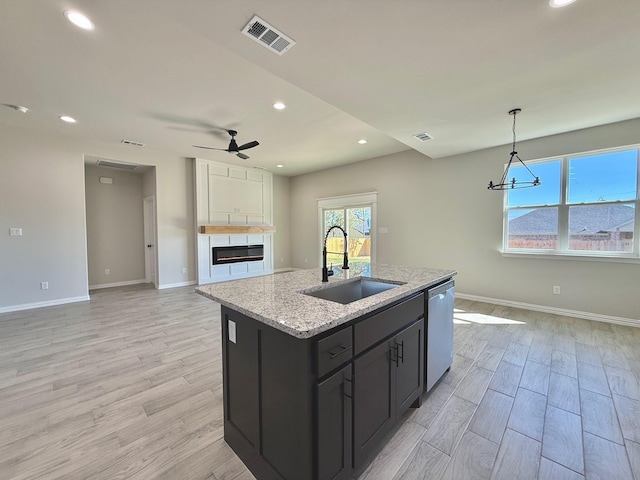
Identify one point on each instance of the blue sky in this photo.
(594, 178)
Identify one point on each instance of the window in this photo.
(586, 205)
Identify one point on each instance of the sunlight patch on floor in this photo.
(462, 317)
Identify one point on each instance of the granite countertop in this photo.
(277, 300)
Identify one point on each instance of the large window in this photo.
(586, 205)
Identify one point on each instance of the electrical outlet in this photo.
(107, 271)
(556, 289)
(306, 260)
(184, 269)
(281, 259)
(44, 285)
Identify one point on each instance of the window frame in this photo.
(562, 244)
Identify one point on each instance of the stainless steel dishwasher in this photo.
(439, 355)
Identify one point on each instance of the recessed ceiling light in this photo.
(279, 165)
(362, 141)
(279, 106)
(560, 3)
(68, 119)
(79, 20)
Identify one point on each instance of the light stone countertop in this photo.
(277, 300)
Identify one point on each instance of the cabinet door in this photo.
(334, 426)
(409, 345)
(373, 400)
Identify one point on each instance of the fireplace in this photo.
(241, 253)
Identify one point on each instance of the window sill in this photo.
(569, 256)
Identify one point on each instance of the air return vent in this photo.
(268, 36)
(423, 137)
(121, 166)
(132, 143)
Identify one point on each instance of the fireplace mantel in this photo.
(235, 229)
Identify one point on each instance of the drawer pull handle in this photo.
(338, 351)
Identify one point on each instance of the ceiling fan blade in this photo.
(242, 155)
(210, 148)
(248, 145)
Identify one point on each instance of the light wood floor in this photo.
(128, 386)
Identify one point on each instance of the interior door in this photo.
(150, 250)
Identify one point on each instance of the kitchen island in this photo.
(312, 386)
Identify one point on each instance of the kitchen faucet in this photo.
(345, 263)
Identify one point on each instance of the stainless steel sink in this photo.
(351, 291)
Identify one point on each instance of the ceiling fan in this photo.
(233, 146)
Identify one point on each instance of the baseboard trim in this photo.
(631, 322)
(49, 303)
(176, 285)
(117, 284)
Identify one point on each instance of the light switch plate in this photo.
(15, 232)
(232, 331)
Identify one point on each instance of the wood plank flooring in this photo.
(128, 386)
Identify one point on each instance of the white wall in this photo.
(439, 213)
(115, 227)
(42, 191)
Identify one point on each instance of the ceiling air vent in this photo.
(423, 137)
(132, 143)
(121, 166)
(268, 36)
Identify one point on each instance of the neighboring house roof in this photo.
(583, 219)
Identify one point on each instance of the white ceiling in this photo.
(171, 73)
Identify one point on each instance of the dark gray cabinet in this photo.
(318, 408)
(388, 380)
(334, 425)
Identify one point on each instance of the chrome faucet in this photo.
(345, 262)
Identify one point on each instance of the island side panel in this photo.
(241, 376)
(268, 406)
(287, 403)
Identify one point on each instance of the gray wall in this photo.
(42, 191)
(115, 227)
(439, 213)
(282, 237)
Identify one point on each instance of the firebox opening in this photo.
(242, 253)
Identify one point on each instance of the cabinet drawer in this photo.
(334, 350)
(381, 325)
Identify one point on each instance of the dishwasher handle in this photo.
(440, 289)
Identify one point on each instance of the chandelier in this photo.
(513, 183)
